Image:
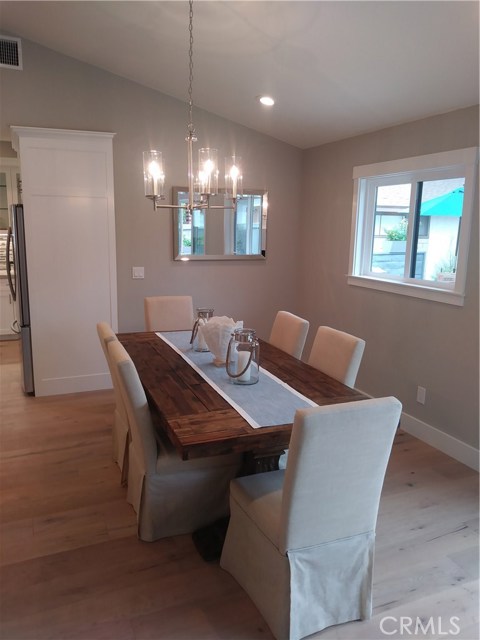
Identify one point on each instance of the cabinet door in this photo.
(67, 182)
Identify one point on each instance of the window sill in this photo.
(407, 289)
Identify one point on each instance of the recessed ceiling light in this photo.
(266, 100)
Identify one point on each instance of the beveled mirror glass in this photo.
(221, 234)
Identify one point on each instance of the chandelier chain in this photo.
(191, 128)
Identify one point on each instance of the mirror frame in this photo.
(177, 256)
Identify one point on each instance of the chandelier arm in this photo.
(195, 207)
(156, 204)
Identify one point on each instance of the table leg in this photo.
(258, 462)
(209, 540)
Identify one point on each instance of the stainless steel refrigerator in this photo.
(16, 260)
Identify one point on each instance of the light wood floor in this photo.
(72, 567)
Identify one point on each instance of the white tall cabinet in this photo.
(67, 181)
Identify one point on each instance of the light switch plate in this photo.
(138, 272)
(421, 395)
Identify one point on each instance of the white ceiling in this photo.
(335, 68)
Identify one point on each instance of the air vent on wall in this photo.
(10, 52)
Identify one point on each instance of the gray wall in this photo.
(57, 91)
(410, 341)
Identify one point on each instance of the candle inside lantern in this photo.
(201, 344)
(242, 362)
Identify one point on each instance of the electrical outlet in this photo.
(138, 272)
(421, 395)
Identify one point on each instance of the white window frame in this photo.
(437, 166)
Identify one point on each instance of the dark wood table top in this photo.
(198, 421)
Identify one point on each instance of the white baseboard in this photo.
(72, 384)
(464, 453)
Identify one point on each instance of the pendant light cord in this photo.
(191, 129)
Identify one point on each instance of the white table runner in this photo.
(267, 403)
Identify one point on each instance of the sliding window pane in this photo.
(441, 215)
(390, 229)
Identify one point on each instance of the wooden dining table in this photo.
(200, 422)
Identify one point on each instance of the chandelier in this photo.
(203, 183)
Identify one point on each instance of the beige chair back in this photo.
(336, 466)
(106, 335)
(120, 428)
(143, 440)
(168, 313)
(289, 333)
(338, 354)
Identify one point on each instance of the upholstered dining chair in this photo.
(120, 430)
(289, 333)
(168, 313)
(301, 541)
(171, 496)
(338, 354)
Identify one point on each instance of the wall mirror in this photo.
(221, 234)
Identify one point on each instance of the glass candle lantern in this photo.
(153, 175)
(243, 357)
(197, 340)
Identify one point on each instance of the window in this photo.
(411, 225)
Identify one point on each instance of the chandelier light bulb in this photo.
(234, 172)
(208, 167)
(208, 171)
(233, 177)
(155, 171)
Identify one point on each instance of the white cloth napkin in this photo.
(217, 333)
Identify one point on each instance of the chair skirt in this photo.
(259, 568)
(120, 438)
(181, 495)
(306, 590)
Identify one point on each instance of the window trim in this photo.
(445, 164)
